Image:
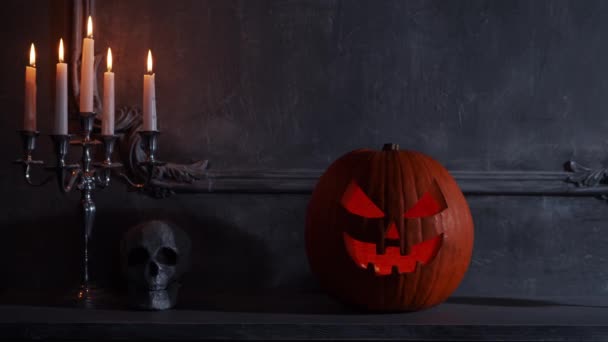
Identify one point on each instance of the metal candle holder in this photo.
(86, 176)
(149, 141)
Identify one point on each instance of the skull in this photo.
(154, 256)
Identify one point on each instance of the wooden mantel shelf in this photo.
(462, 318)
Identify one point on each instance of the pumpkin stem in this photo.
(390, 147)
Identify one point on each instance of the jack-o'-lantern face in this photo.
(388, 257)
(388, 230)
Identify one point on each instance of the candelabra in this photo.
(86, 176)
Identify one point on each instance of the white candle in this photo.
(87, 69)
(149, 98)
(29, 117)
(61, 94)
(107, 120)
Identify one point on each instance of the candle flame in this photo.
(149, 61)
(90, 27)
(109, 61)
(60, 50)
(33, 56)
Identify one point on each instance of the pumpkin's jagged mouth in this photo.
(364, 255)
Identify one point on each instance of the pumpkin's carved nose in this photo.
(392, 232)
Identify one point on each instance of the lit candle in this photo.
(107, 121)
(61, 94)
(29, 117)
(87, 68)
(149, 98)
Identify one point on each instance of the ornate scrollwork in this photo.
(585, 177)
(128, 122)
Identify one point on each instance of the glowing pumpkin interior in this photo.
(367, 255)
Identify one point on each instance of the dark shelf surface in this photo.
(314, 316)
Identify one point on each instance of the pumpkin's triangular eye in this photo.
(431, 203)
(356, 202)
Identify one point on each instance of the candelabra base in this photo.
(90, 296)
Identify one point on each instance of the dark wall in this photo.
(479, 85)
(297, 83)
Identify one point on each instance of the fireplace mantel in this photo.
(316, 317)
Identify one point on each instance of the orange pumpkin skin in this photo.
(395, 182)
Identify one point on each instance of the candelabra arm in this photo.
(149, 144)
(28, 139)
(27, 175)
(102, 177)
(67, 175)
(67, 178)
(131, 182)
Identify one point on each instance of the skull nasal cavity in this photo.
(392, 232)
(153, 269)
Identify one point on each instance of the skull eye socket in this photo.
(356, 202)
(138, 256)
(166, 256)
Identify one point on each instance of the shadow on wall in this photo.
(41, 254)
(49, 258)
(223, 257)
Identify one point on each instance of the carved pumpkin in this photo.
(388, 230)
